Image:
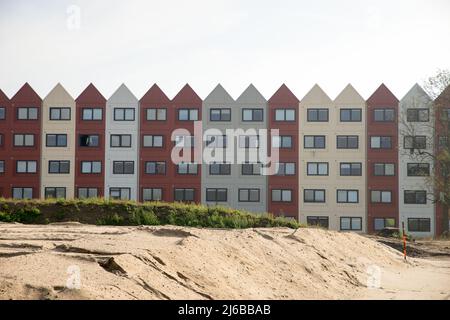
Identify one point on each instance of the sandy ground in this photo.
(74, 261)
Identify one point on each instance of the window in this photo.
(347, 142)
(220, 114)
(58, 167)
(91, 167)
(184, 194)
(287, 115)
(24, 140)
(1, 140)
(381, 223)
(188, 114)
(351, 223)
(417, 115)
(123, 114)
(187, 168)
(152, 141)
(317, 221)
(284, 142)
(281, 195)
(2, 166)
(123, 167)
(92, 114)
(384, 169)
(350, 169)
(314, 195)
(253, 115)
(56, 140)
(152, 194)
(248, 195)
(25, 166)
(89, 140)
(443, 142)
(347, 196)
(378, 142)
(314, 142)
(418, 169)
(55, 193)
(29, 113)
(219, 141)
(419, 224)
(415, 142)
(378, 196)
(351, 115)
(184, 141)
(251, 169)
(120, 193)
(2, 113)
(84, 193)
(216, 195)
(246, 142)
(317, 168)
(156, 114)
(285, 168)
(219, 169)
(415, 197)
(384, 115)
(59, 113)
(445, 114)
(22, 193)
(121, 141)
(155, 167)
(317, 115)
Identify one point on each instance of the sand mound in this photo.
(89, 262)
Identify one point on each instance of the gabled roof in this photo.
(60, 93)
(444, 97)
(284, 96)
(155, 95)
(251, 95)
(219, 95)
(3, 97)
(123, 95)
(26, 94)
(316, 96)
(382, 96)
(416, 95)
(91, 95)
(349, 95)
(187, 96)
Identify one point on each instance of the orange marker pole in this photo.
(404, 240)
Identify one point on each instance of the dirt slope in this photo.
(188, 263)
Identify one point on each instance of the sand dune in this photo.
(41, 262)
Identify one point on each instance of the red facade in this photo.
(382, 98)
(5, 145)
(442, 125)
(90, 98)
(171, 180)
(285, 99)
(26, 97)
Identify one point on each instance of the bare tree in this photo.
(437, 131)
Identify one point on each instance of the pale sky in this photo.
(234, 42)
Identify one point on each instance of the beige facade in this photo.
(332, 178)
(58, 118)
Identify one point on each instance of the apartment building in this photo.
(58, 144)
(332, 158)
(416, 133)
(155, 129)
(90, 143)
(24, 157)
(121, 145)
(5, 145)
(382, 160)
(283, 116)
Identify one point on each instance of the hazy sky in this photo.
(234, 42)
